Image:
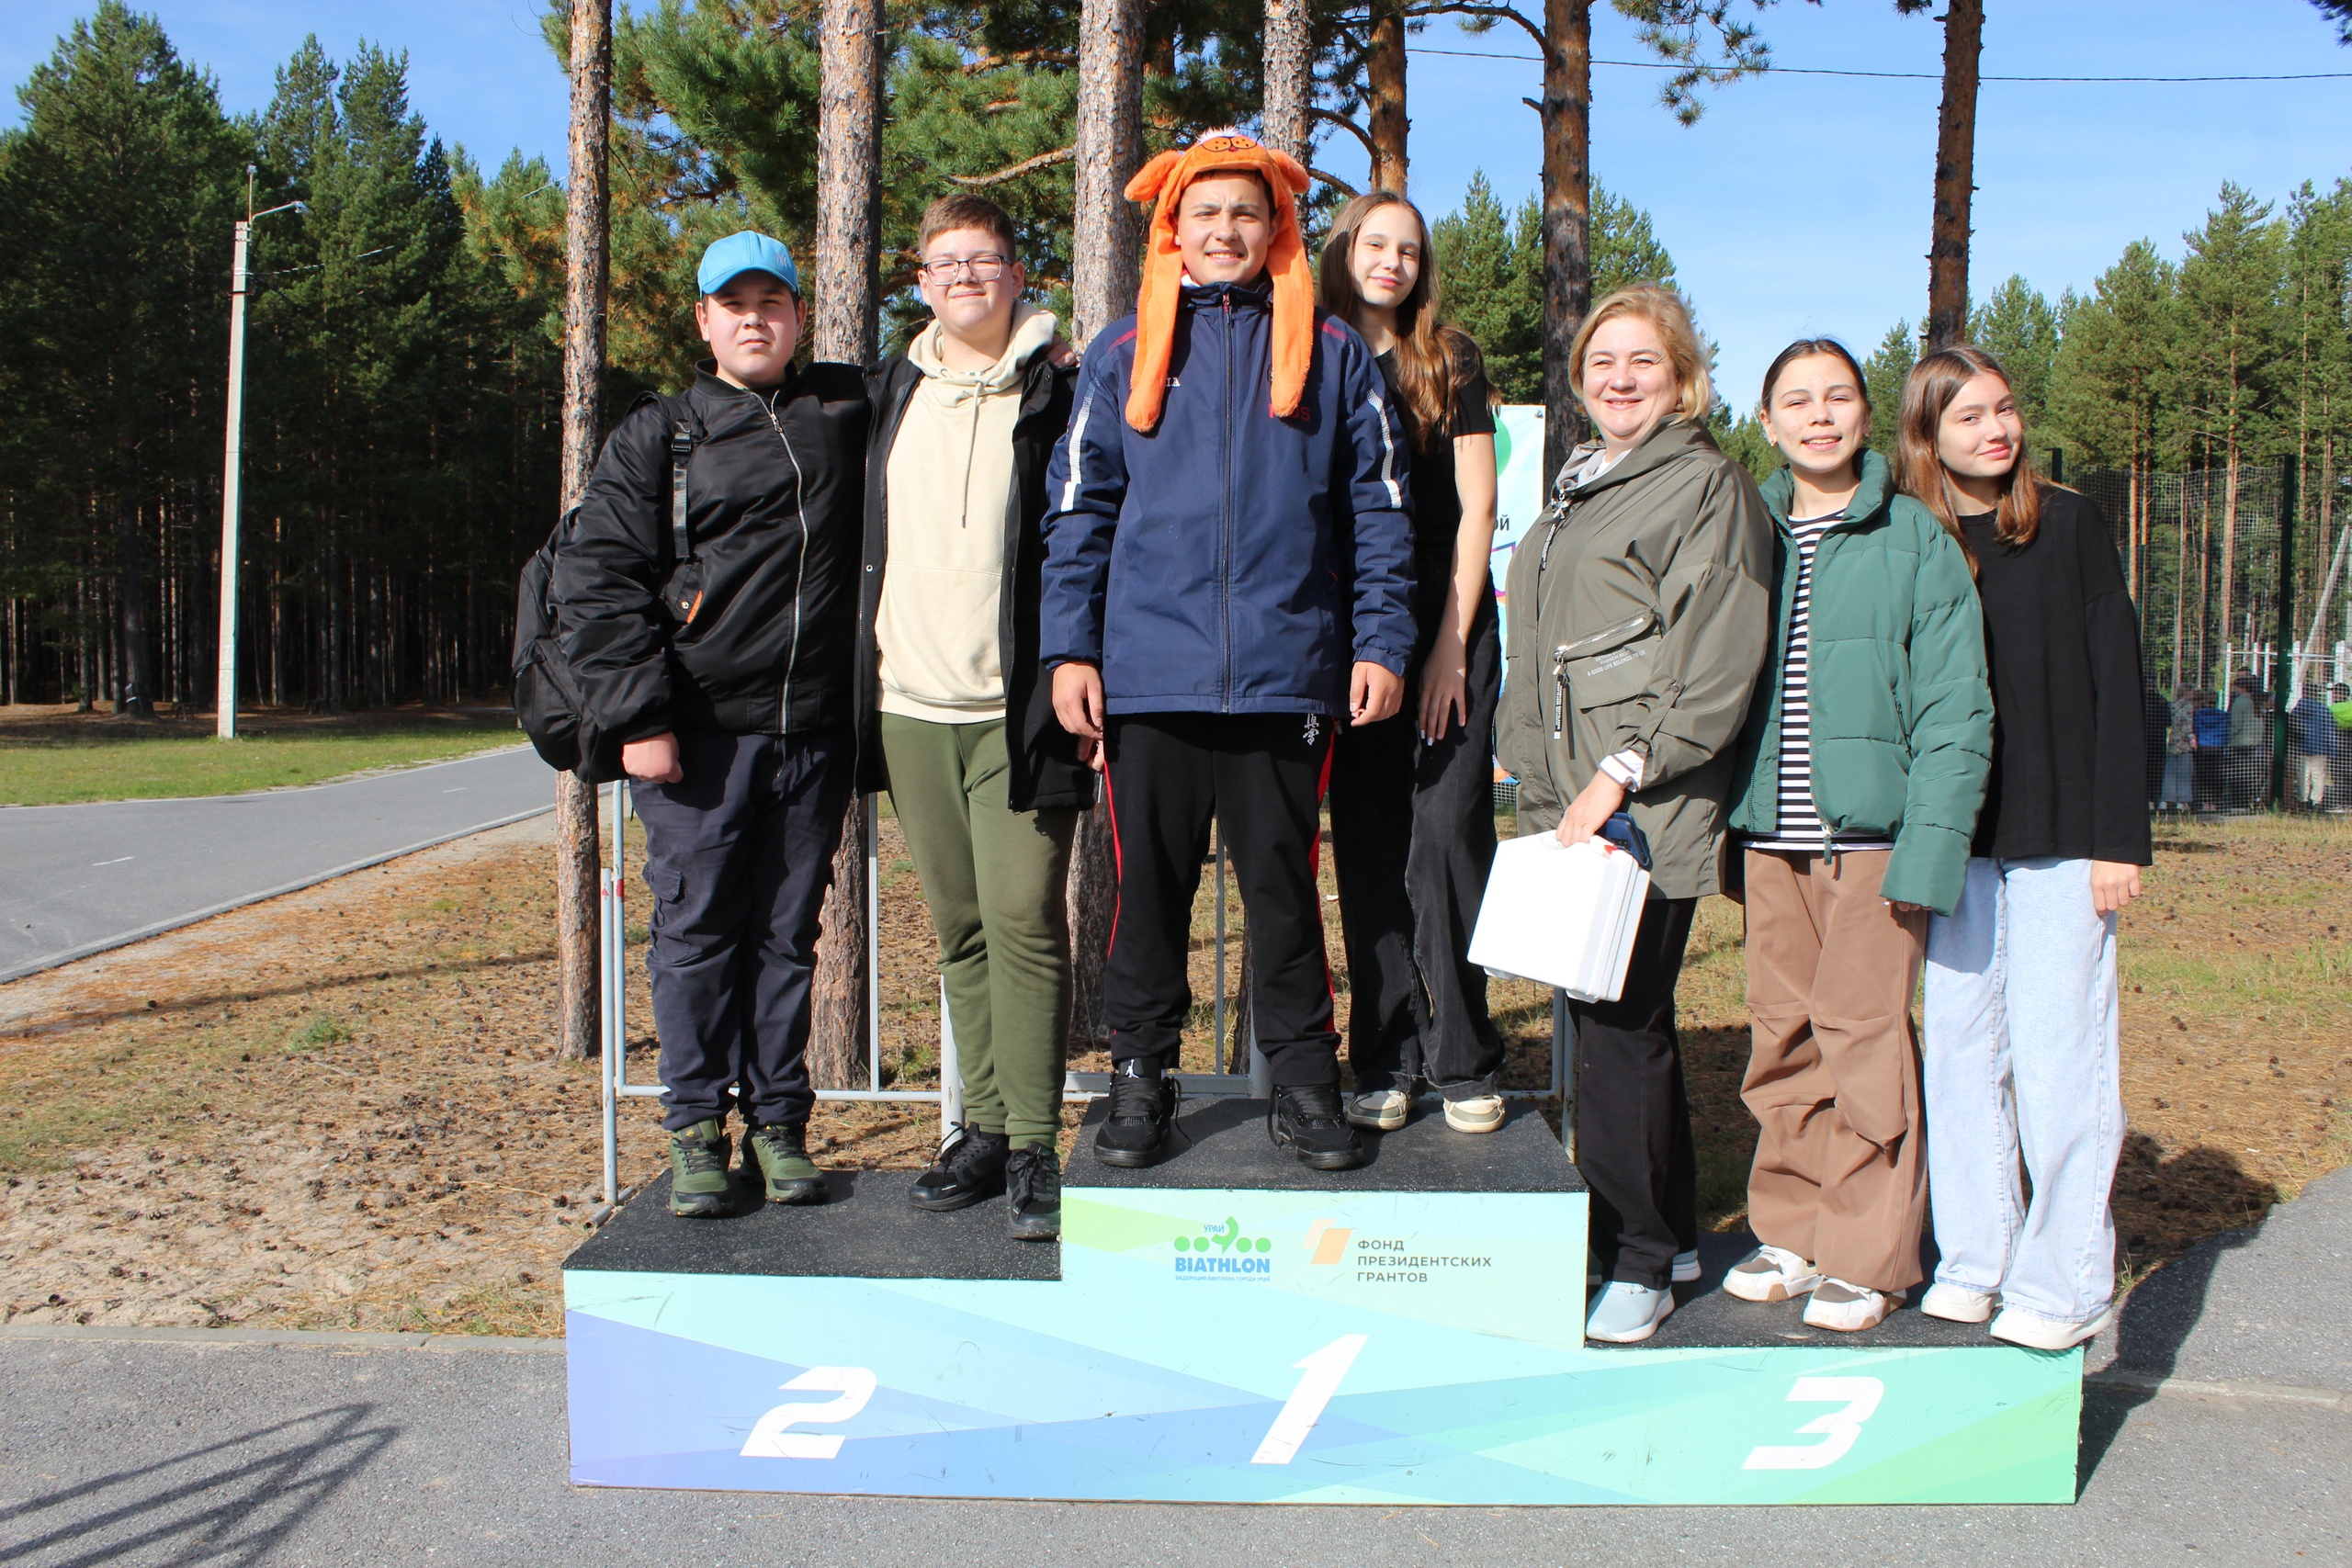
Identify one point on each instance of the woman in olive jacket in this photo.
(1638, 624)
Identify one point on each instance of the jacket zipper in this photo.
(1225, 553)
(800, 569)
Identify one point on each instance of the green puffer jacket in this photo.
(1902, 715)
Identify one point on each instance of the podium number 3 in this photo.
(851, 1387)
(1836, 1430)
(1299, 1412)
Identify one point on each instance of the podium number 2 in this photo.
(1322, 1370)
(1836, 1430)
(851, 1387)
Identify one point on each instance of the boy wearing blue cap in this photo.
(713, 638)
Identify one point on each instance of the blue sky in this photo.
(1798, 205)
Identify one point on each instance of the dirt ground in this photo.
(343, 1108)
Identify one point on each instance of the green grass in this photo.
(110, 760)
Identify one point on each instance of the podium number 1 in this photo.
(1836, 1430)
(1322, 1370)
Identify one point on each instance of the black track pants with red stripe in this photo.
(1260, 777)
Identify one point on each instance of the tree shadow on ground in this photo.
(233, 1502)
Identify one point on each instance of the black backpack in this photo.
(546, 695)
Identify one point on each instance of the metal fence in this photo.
(2220, 562)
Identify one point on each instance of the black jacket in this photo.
(773, 490)
(1043, 756)
(2069, 754)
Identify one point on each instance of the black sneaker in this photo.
(1143, 1105)
(1032, 1180)
(970, 1167)
(1312, 1125)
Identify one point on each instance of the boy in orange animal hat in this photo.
(1229, 575)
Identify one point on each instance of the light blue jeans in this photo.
(2020, 1055)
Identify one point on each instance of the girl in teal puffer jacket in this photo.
(1862, 769)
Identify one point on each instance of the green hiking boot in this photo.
(781, 1152)
(699, 1186)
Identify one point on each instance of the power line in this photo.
(1890, 75)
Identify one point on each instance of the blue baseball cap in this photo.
(729, 258)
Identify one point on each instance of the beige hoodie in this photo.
(950, 477)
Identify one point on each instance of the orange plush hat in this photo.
(1166, 177)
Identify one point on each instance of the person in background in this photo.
(2155, 716)
(2248, 760)
(726, 670)
(2180, 752)
(2339, 705)
(1639, 622)
(1862, 772)
(1412, 797)
(957, 716)
(2311, 728)
(2212, 729)
(2022, 1026)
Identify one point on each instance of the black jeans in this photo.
(1632, 1114)
(1260, 777)
(738, 854)
(1412, 840)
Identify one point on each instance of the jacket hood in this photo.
(1875, 491)
(1659, 448)
(1032, 330)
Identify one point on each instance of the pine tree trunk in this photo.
(1955, 176)
(1385, 94)
(1290, 76)
(1107, 271)
(1567, 215)
(586, 273)
(846, 322)
(137, 697)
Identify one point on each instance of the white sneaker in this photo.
(1685, 1267)
(1480, 1113)
(1383, 1110)
(2034, 1332)
(1625, 1314)
(1956, 1303)
(1771, 1274)
(1847, 1308)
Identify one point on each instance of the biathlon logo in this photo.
(1222, 1252)
(1327, 1243)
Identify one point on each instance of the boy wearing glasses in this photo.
(957, 721)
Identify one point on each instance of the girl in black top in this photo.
(2021, 1048)
(1412, 797)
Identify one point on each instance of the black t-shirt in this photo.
(2069, 757)
(1437, 505)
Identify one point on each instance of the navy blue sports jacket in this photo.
(1229, 561)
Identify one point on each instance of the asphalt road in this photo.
(342, 1452)
(79, 879)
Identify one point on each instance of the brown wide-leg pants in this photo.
(1833, 1077)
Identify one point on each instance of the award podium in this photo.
(1229, 1326)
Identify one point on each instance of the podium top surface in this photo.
(1223, 1144)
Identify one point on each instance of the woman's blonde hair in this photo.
(1663, 308)
(1433, 360)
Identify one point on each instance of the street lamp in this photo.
(225, 720)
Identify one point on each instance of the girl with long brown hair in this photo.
(1412, 798)
(2021, 1011)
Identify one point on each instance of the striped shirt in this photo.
(1798, 827)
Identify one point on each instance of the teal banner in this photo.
(1218, 1345)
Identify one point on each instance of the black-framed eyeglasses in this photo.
(979, 269)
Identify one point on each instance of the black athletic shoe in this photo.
(1032, 1181)
(1143, 1107)
(970, 1167)
(1312, 1123)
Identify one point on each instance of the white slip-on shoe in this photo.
(1382, 1110)
(1956, 1303)
(1685, 1267)
(1771, 1274)
(1480, 1113)
(1626, 1315)
(1847, 1308)
(2035, 1332)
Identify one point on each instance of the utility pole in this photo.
(224, 722)
(586, 272)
